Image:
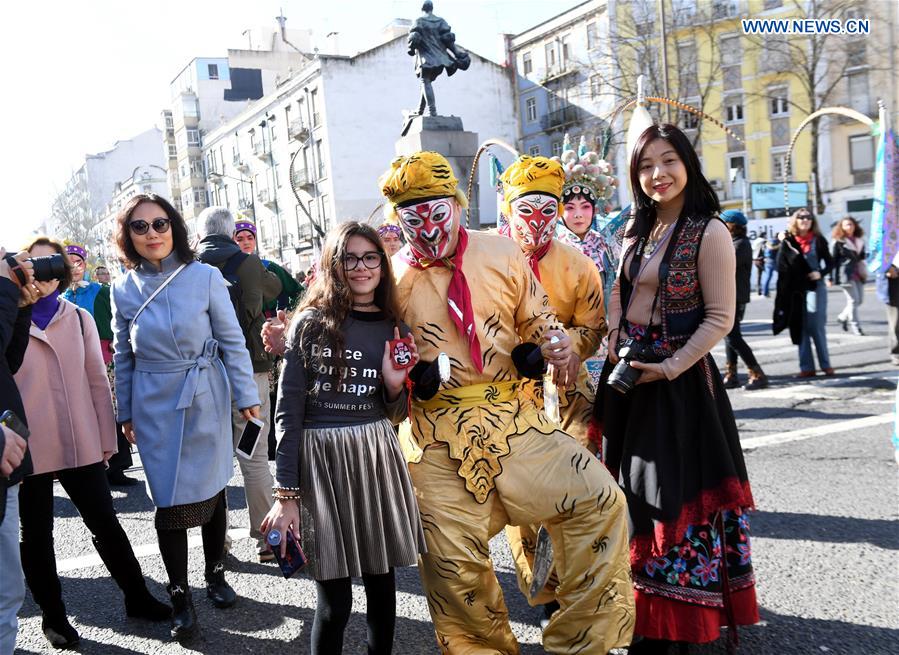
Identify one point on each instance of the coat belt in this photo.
(192, 366)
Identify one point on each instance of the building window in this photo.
(731, 53)
(856, 54)
(861, 153)
(858, 92)
(173, 150)
(273, 128)
(526, 64)
(530, 109)
(186, 199)
(683, 10)
(326, 211)
(199, 197)
(557, 148)
(313, 99)
(688, 119)
(595, 86)
(733, 109)
(736, 173)
(687, 65)
(772, 4)
(213, 71)
(550, 56)
(592, 36)
(565, 51)
(193, 137)
(320, 158)
(534, 151)
(169, 122)
(724, 8)
(196, 167)
(778, 104)
(778, 166)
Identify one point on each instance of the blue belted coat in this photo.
(177, 367)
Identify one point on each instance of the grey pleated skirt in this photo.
(358, 498)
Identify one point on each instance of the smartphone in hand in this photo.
(249, 440)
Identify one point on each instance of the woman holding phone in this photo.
(180, 355)
(338, 456)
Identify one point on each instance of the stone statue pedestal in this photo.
(445, 134)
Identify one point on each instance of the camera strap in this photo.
(634, 270)
(159, 289)
(20, 279)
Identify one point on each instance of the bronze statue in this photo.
(433, 45)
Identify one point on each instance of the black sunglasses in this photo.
(160, 226)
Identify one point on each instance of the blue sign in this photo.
(770, 195)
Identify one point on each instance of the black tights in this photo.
(332, 612)
(173, 544)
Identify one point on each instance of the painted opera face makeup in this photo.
(533, 220)
(579, 215)
(430, 225)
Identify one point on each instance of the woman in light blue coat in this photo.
(179, 356)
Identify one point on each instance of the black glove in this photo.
(425, 378)
(528, 360)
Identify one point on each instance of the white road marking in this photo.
(818, 431)
(142, 550)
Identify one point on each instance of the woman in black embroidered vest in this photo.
(671, 439)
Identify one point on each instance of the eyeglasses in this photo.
(160, 226)
(371, 261)
(804, 218)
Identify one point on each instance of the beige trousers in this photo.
(257, 476)
(547, 479)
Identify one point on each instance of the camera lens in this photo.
(51, 267)
(623, 377)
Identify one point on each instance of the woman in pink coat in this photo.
(69, 406)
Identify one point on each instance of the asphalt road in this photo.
(825, 536)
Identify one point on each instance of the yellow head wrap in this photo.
(420, 175)
(531, 175)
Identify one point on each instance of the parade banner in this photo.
(770, 195)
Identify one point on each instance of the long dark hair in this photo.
(180, 243)
(839, 234)
(331, 299)
(700, 198)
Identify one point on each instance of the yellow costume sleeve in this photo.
(533, 314)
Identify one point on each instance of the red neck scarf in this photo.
(461, 311)
(805, 242)
(533, 258)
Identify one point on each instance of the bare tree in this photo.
(821, 63)
(71, 216)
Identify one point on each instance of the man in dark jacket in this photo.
(734, 342)
(16, 289)
(255, 286)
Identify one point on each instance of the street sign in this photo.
(770, 195)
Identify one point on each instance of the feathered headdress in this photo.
(588, 175)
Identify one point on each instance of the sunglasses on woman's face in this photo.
(159, 225)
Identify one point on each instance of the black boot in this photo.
(125, 570)
(184, 616)
(59, 632)
(217, 589)
(142, 605)
(650, 647)
(548, 610)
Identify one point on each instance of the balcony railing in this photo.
(296, 130)
(260, 149)
(301, 178)
(560, 117)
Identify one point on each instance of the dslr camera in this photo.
(623, 377)
(49, 267)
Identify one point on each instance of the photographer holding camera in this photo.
(67, 397)
(669, 433)
(17, 292)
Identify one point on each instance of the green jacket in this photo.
(291, 290)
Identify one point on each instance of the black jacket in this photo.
(14, 326)
(744, 269)
(258, 287)
(793, 283)
(845, 262)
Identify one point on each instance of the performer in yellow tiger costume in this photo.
(532, 190)
(482, 454)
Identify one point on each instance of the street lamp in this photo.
(216, 178)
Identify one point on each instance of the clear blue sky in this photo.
(81, 74)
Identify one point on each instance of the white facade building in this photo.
(93, 185)
(143, 179)
(210, 91)
(339, 119)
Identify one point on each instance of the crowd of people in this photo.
(428, 389)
